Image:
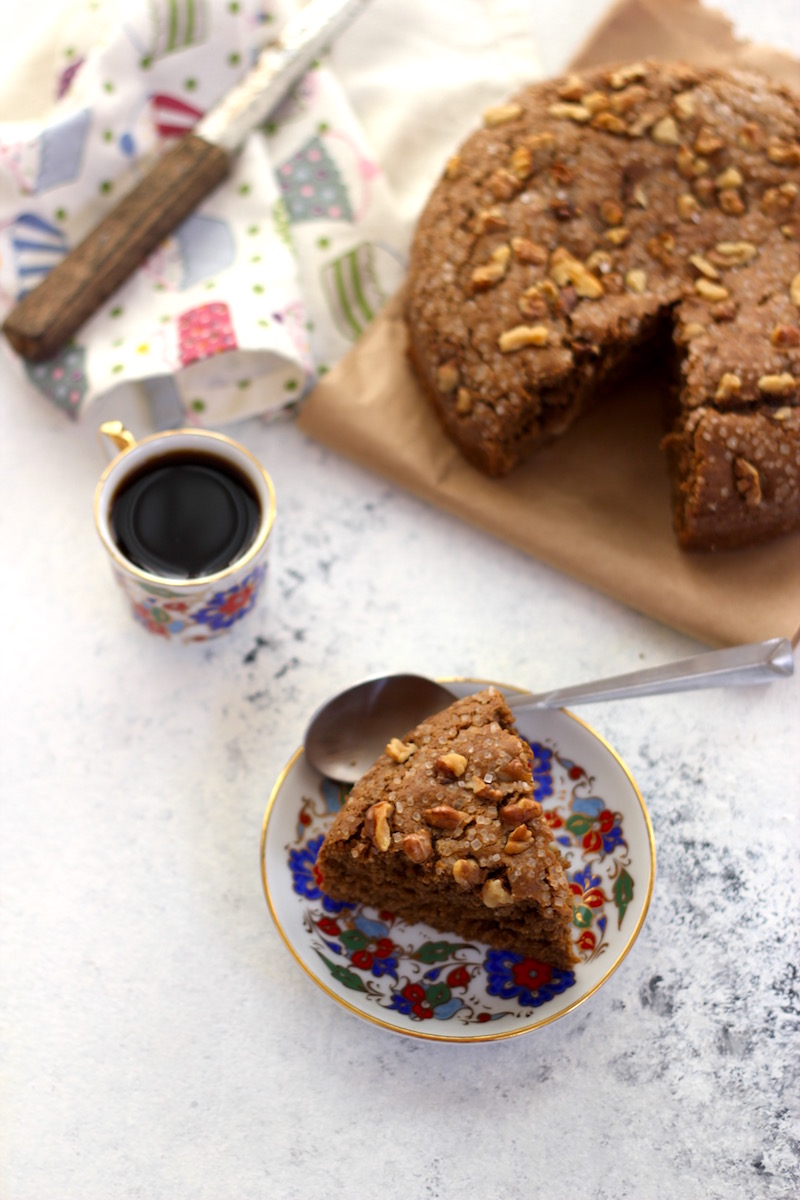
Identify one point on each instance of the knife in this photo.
(47, 317)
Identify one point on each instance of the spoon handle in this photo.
(760, 662)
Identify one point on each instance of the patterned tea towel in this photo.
(273, 276)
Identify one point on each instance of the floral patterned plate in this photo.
(420, 982)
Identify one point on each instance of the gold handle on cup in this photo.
(119, 437)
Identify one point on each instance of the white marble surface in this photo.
(156, 1038)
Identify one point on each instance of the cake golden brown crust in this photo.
(445, 829)
(595, 218)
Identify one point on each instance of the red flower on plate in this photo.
(531, 974)
(329, 926)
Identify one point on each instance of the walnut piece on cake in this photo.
(452, 835)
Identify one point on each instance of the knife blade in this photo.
(45, 319)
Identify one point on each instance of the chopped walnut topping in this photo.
(447, 377)
(629, 98)
(729, 385)
(783, 152)
(491, 220)
(517, 812)
(571, 112)
(618, 236)
(503, 184)
(521, 336)
(644, 120)
(400, 751)
(452, 764)
(708, 142)
(484, 790)
(748, 481)
(777, 385)
(778, 199)
(729, 178)
(572, 88)
(737, 253)
(466, 872)
(710, 291)
(639, 195)
(453, 167)
(583, 230)
(514, 771)
(376, 824)
(731, 202)
(751, 136)
(444, 816)
(688, 207)
(636, 280)
(417, 846)
(490, 273)
(661, 247)
(521, 162)
(665, 132)
(633, 73)
(611, 212)
(548, 290)
(703, 266)
(723, 310)
(519, 840)
(785, 335)
(527, 251)
(595, 101)
(501, 114)
(683, 105)
(565, 269)
(494, 894)
(600, 260)
(609, 123)
(541, 141)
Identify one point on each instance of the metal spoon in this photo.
(347, 734)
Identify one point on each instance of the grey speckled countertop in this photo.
(157, 1038)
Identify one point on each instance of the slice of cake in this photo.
(445, 829)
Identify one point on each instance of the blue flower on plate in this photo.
(585, 879)
(542, 770)
(305, 877)
(302, 863)
(515, 977)
(612, 838)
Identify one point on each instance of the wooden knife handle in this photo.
(43, 321)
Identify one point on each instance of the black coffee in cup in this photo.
(185, 515)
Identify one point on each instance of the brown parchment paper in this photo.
(595, 504)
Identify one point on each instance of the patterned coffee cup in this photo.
(202, 606)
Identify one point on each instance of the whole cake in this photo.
(445, 829)
(595, 220)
